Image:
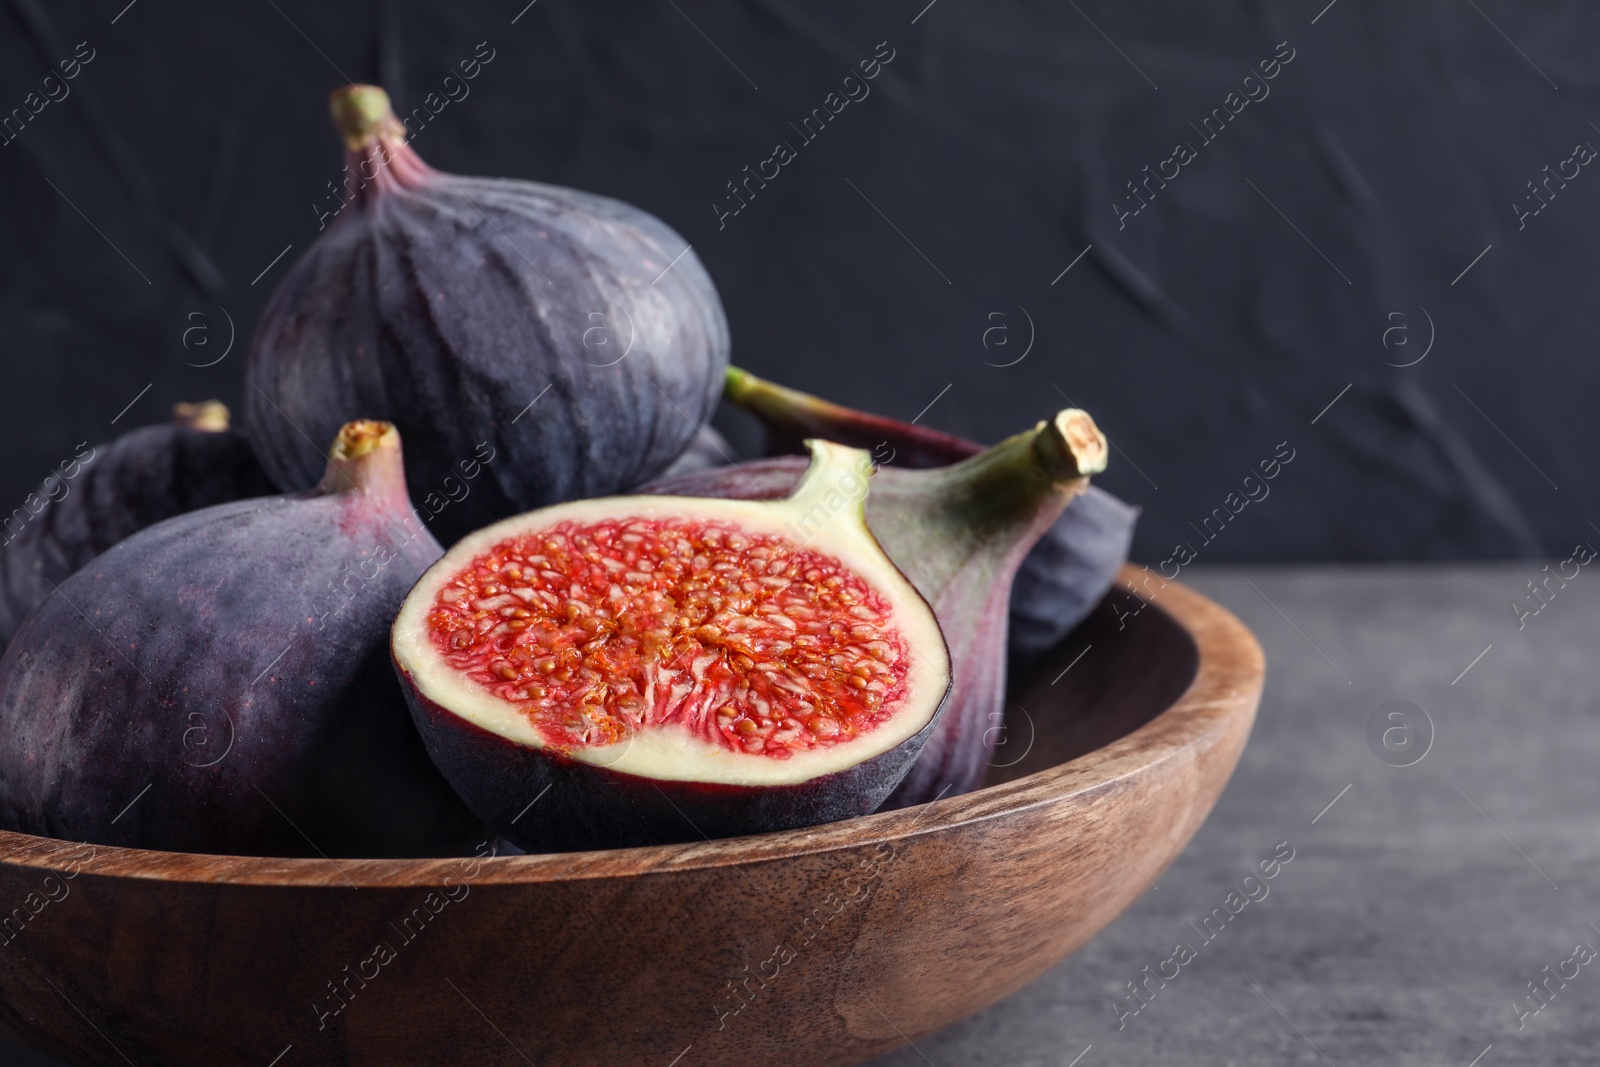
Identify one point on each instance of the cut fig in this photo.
(646, 669)
(557, 344)
(219, 682)
(116, 489)
(959, 533)
(1060, 581)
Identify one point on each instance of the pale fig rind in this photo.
(657, 784)
(219, 682)
(559, 343)
(1067, 573)
(110, 491)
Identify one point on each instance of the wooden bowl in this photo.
(820, 946)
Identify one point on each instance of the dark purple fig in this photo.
(959, 533)
(219, 682)
(1068, 572)
(642, 669)
(96, 499)
(575, 338)
(708, 450)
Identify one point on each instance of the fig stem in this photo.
(208, 415)
(790, 417)
(836, 481)
(1050, 462)
(365, 459)
(1070, 445)
(363, 115)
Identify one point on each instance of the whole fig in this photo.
(113, 490)
(576, 337)
(219, 682)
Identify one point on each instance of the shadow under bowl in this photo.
(827, 945)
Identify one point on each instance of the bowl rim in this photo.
(1227, 683)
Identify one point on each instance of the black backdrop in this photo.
(925, 252)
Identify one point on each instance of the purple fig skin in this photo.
(219, 682)
(583, 806)
(115, 490)
(533, 323)
(707, 451)
(1068, 572)
(959, 533)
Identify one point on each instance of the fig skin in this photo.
(578, 806)
(960, 533)
(448, 304)
(543, 800)
(707, 451)
(1066, 574)
(219, 682)
(116, 489)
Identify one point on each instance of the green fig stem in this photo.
(836, 482)
(377, 155)
(363, 115)
(1057, 455)
(790, 417)
(993, 506)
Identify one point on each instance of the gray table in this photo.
(1420, 904)
(1420, 900)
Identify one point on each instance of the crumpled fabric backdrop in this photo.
(954, 237)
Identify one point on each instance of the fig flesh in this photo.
(959, 533)
(645, 669)
(219, 681)
(1060, 581)
(574, 338)
(116, 489)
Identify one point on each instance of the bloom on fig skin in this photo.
(461, 308)
(196, 689)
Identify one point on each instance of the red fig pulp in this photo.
(110, 491)
(219, 681)
(959, 533)
(1060, 581)
(650, 669)
(573, 338)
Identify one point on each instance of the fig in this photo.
(219, 682)
(708, 449)
(575, 337)
(959, 533)
(1060, 581)
(97, 499)
(646, 669)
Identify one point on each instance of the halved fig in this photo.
(646, 669)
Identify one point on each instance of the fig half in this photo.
(959, 533)
(1069, 569)
(647, 669)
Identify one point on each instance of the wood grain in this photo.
(820, 946)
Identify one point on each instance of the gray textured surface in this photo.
(1406, 924)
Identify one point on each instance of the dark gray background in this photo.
(1221, 321)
